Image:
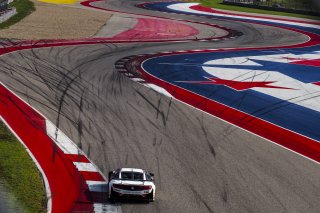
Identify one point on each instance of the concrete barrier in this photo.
(4, 16)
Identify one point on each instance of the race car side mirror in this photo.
(151, 174)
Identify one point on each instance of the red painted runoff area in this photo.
(157, 29)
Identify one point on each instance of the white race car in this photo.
(131, 183)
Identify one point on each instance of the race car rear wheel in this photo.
(150, 197)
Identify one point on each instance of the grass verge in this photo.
(24, 8)
(19, 173)
(217, 4)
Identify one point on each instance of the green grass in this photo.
(218, 5)
(19, 173)
(24, 8)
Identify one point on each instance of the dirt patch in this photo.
(51, 21)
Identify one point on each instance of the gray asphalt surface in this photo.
(201, 163)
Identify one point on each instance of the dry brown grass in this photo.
(51, 21)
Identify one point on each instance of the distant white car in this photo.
(131, 183)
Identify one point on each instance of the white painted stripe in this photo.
(86, 167)
(128, 74)
(64, 143)
(97, 186)
(106, 208)
(159, 89)
(136, 79)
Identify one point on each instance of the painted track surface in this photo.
(120, 123)
(279, 106)
(149, 28)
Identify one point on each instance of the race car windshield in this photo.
(137, 176)
(131, 176)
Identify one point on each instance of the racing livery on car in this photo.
(131, 183)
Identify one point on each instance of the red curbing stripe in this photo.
(95, 176)
(78, 158)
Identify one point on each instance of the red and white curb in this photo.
(93, 177)
(73, 183)
(122, 67)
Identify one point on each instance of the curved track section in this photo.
(201, 164)
(270, 92)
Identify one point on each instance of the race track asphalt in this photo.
(201, 164)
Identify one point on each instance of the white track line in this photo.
(85, 167)
(64, 143)
(158, 89)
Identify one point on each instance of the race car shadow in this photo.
(130, 201)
